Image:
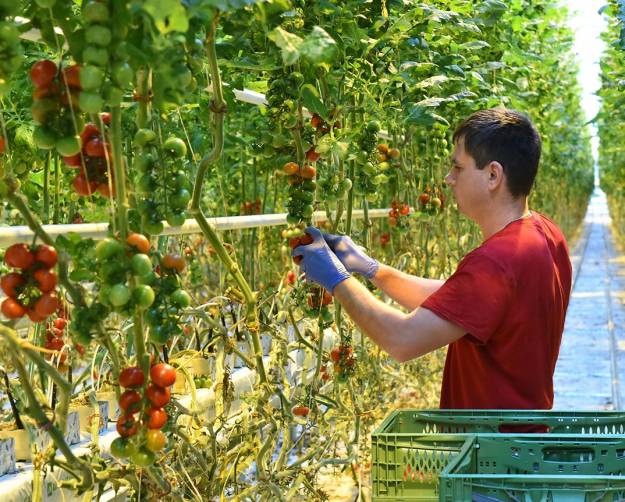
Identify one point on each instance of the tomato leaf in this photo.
(318, 46)
(311, 100)
(168, 15)
(289, 44)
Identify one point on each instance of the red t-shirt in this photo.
(510, 295)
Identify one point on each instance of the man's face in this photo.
(468, 183)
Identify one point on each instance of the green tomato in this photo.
(154, 316)
(43, 109)
(119, 295)
(107, 248)
(175, 146)
(141, 264)
(98, 35)
(180, 199)
(95, 12)
(181, 180)
(148, 279)
(68, 146)
(308, 211)
(122, 74)
(373, 126)
(122, 448)
(143, 162)
(95, 55)
(159, 334)
(154, 227)
(147, 184)
(144, 137)
(143, 458)
(176, 219)
(180, 298)
(44, 138)
(113, 95)
(143, 295)
(90, 102)
(91, 78)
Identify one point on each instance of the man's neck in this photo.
(502, 217)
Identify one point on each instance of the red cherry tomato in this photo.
(34, 316)
(42, 73)
(60, 323)
(129, 401)
(46, 305)
(95, 147)
(73, 160)
(174, 262)
(12, 309)
(83, 187)
(158, 396)
(140, 242)
(308, 172)
(104, 190)
(131, 377)
(89, 131)
(157, 418)
(46, 280)
(300, 411)
(163, 374)
(106, 118)
(71, 76)
(19, 256)
(55, 343)
(46, 255)
(11, 282)
(127, 426)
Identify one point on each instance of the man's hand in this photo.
(352, 255)
(319, 263)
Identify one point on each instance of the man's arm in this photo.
(403, 336)
(407, 290)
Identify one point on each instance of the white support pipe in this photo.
(21, 233)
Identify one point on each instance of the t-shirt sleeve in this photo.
(476, 297)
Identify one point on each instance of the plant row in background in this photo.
(127, 113)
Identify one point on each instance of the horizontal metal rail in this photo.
(21, 233)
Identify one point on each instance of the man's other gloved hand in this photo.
(319, 263)
(352, 255)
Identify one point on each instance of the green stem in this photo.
(46, 188)
(119, 173)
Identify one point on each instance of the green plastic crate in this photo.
(412, 447)
(542, 468)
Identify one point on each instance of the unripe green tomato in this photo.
(180, 298)
(95, 12)
(292, 219)
(9, 33)
(144, 137)
(180, 180)
(175, 219)
(143, 162)
(44, 138)
(107, 249)
(143, 295)
(95, 55)
(148, 279)
(68, 146)
(122, 74)
(373, 126)
(98, 35)
(308, 211)
(122, 448)
(113, 95)
(159, 334)
(141, 264)
(180, 199)
(345, 185)
(91, 78)
(154, 227)
(147, 184)
(119, 295)
(90, 102)
(143, 458)
(175, 146)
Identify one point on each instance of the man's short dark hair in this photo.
(505, 136)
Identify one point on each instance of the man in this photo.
(502, 311)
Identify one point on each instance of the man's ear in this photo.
(495, 175)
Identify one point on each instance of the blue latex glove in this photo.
(319, 263)
(352, 255)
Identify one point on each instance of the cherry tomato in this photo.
(143, 295)
(175, 146)
(11, 282)
(46, 305)
(127, 426)
(181, 298)
(157, 418)
(105, 117)
(42, 73)
(383, 148)
(131, 377)
(308, 172)
(394, 153)
(316, 121)
(71, 76)
(155, 440)
(300, 411)
(12, 309)
(405, 209)
(142, 458)
(424, 198)
(107, 249)
(158, 396)
(140, 242)
(104, 190)
(60, 323)
(19, 256)
(46, 279)
(119, 295)
(335, 354)
(174, 262)
(141, 264)
(68, 146)
(312, 155)
(34, 317)
(122, 448)
(129, 401)
(290, 168)
(55, 343)
(73, 160)
(163, 374)
(83, 187)
(46, 255)
(89, 131)
(95, 147)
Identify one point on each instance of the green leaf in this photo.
(423, 116)
(168, 15)
(475, 45)
(289, 43)
(436, 80)
(318, 46)
(311, 100)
